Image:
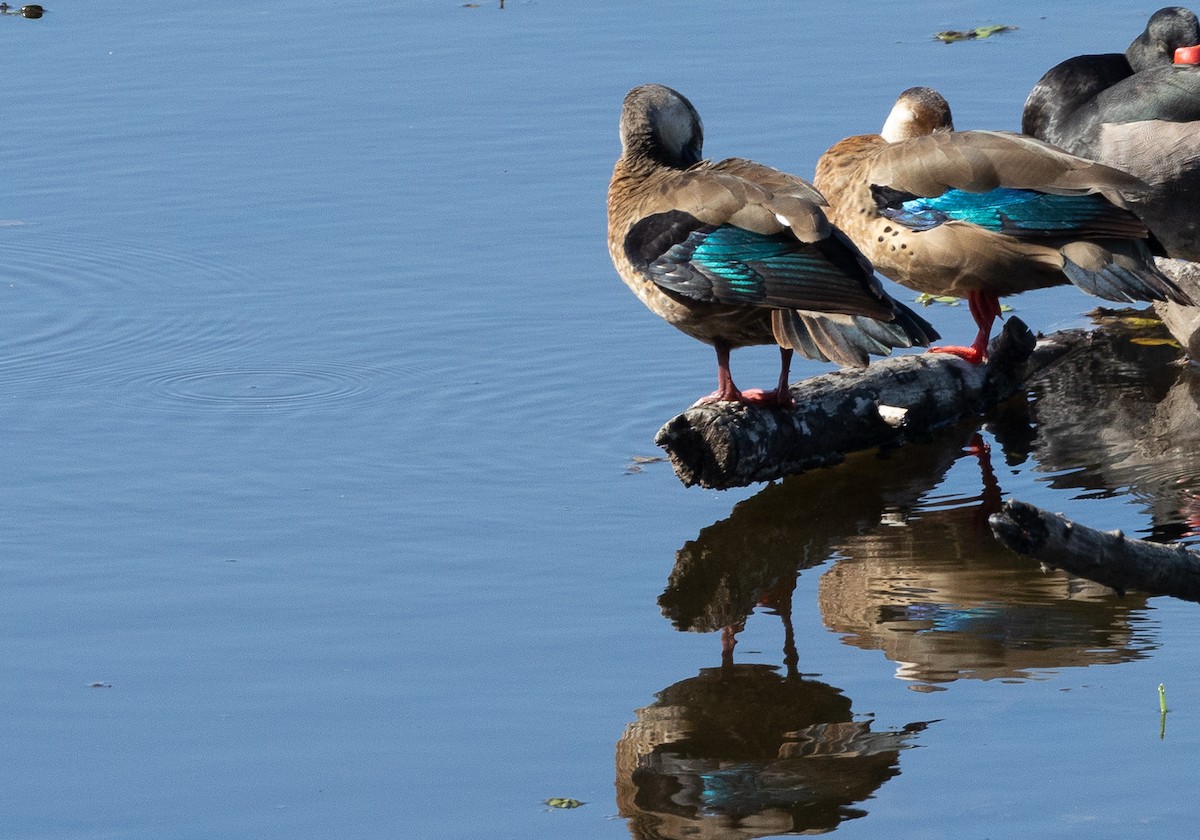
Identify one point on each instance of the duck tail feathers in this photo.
(1119, 270)
(918, 331)
(849, 340)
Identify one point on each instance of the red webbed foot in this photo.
(972, 355)
(752, 396)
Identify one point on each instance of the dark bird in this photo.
(1138, 112)
(983, 214)
(735, 253)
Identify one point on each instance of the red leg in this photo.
(985, 308)
(782, 395)
(728, 392)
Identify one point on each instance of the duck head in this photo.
(918, 111)
(661, 125)
(1168, 30)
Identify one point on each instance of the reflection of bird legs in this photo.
(1191, 515)
(779, 599)
(991, 498)
(729, 642)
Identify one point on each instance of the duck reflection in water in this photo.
(742, 751)
(918, 575)
(1121, 415)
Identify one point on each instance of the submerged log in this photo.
(1107, 557)
(729, 445)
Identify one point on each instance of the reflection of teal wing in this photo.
(736, 790)
(985, 621)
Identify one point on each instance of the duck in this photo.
(735, 253)
(1140, 112)
(985, 214)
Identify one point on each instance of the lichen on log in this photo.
(1107, 557)
(725, 445)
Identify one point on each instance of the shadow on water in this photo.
(742, 751)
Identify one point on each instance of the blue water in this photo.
(321, 401)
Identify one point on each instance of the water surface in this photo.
(320, 401)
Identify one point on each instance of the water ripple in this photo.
(259, 388)
(79, 311)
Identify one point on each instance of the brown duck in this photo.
(735, 253)
(984, 214)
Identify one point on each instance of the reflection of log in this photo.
(728, 445)
(1107, 557)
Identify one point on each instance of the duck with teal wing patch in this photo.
(1138, 111)
(984, 214)
(735, 253)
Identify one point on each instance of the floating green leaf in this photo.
(949, 36)
(563, 802)
(986, 31)
(926, 299)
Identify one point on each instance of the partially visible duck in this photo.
(983, 214)
(1138, 112)
(736, 253)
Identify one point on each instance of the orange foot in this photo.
(752, 396)
(973, 355)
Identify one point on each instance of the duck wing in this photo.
(715, 237)
(1002, 182)
(979, 161)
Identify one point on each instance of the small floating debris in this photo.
(951, 35)
(926, 299)
(31, 11)
(637, 461)
(1156, 342)
(562, 803)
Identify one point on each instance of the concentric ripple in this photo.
(259, 388)
(80, 311)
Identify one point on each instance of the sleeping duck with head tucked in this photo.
(1138, 111)
(984, 214)
(735, 253)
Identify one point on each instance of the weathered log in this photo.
(1107, 557)
(729, 445)
(1182, 321)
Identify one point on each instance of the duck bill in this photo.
(1188, 55)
